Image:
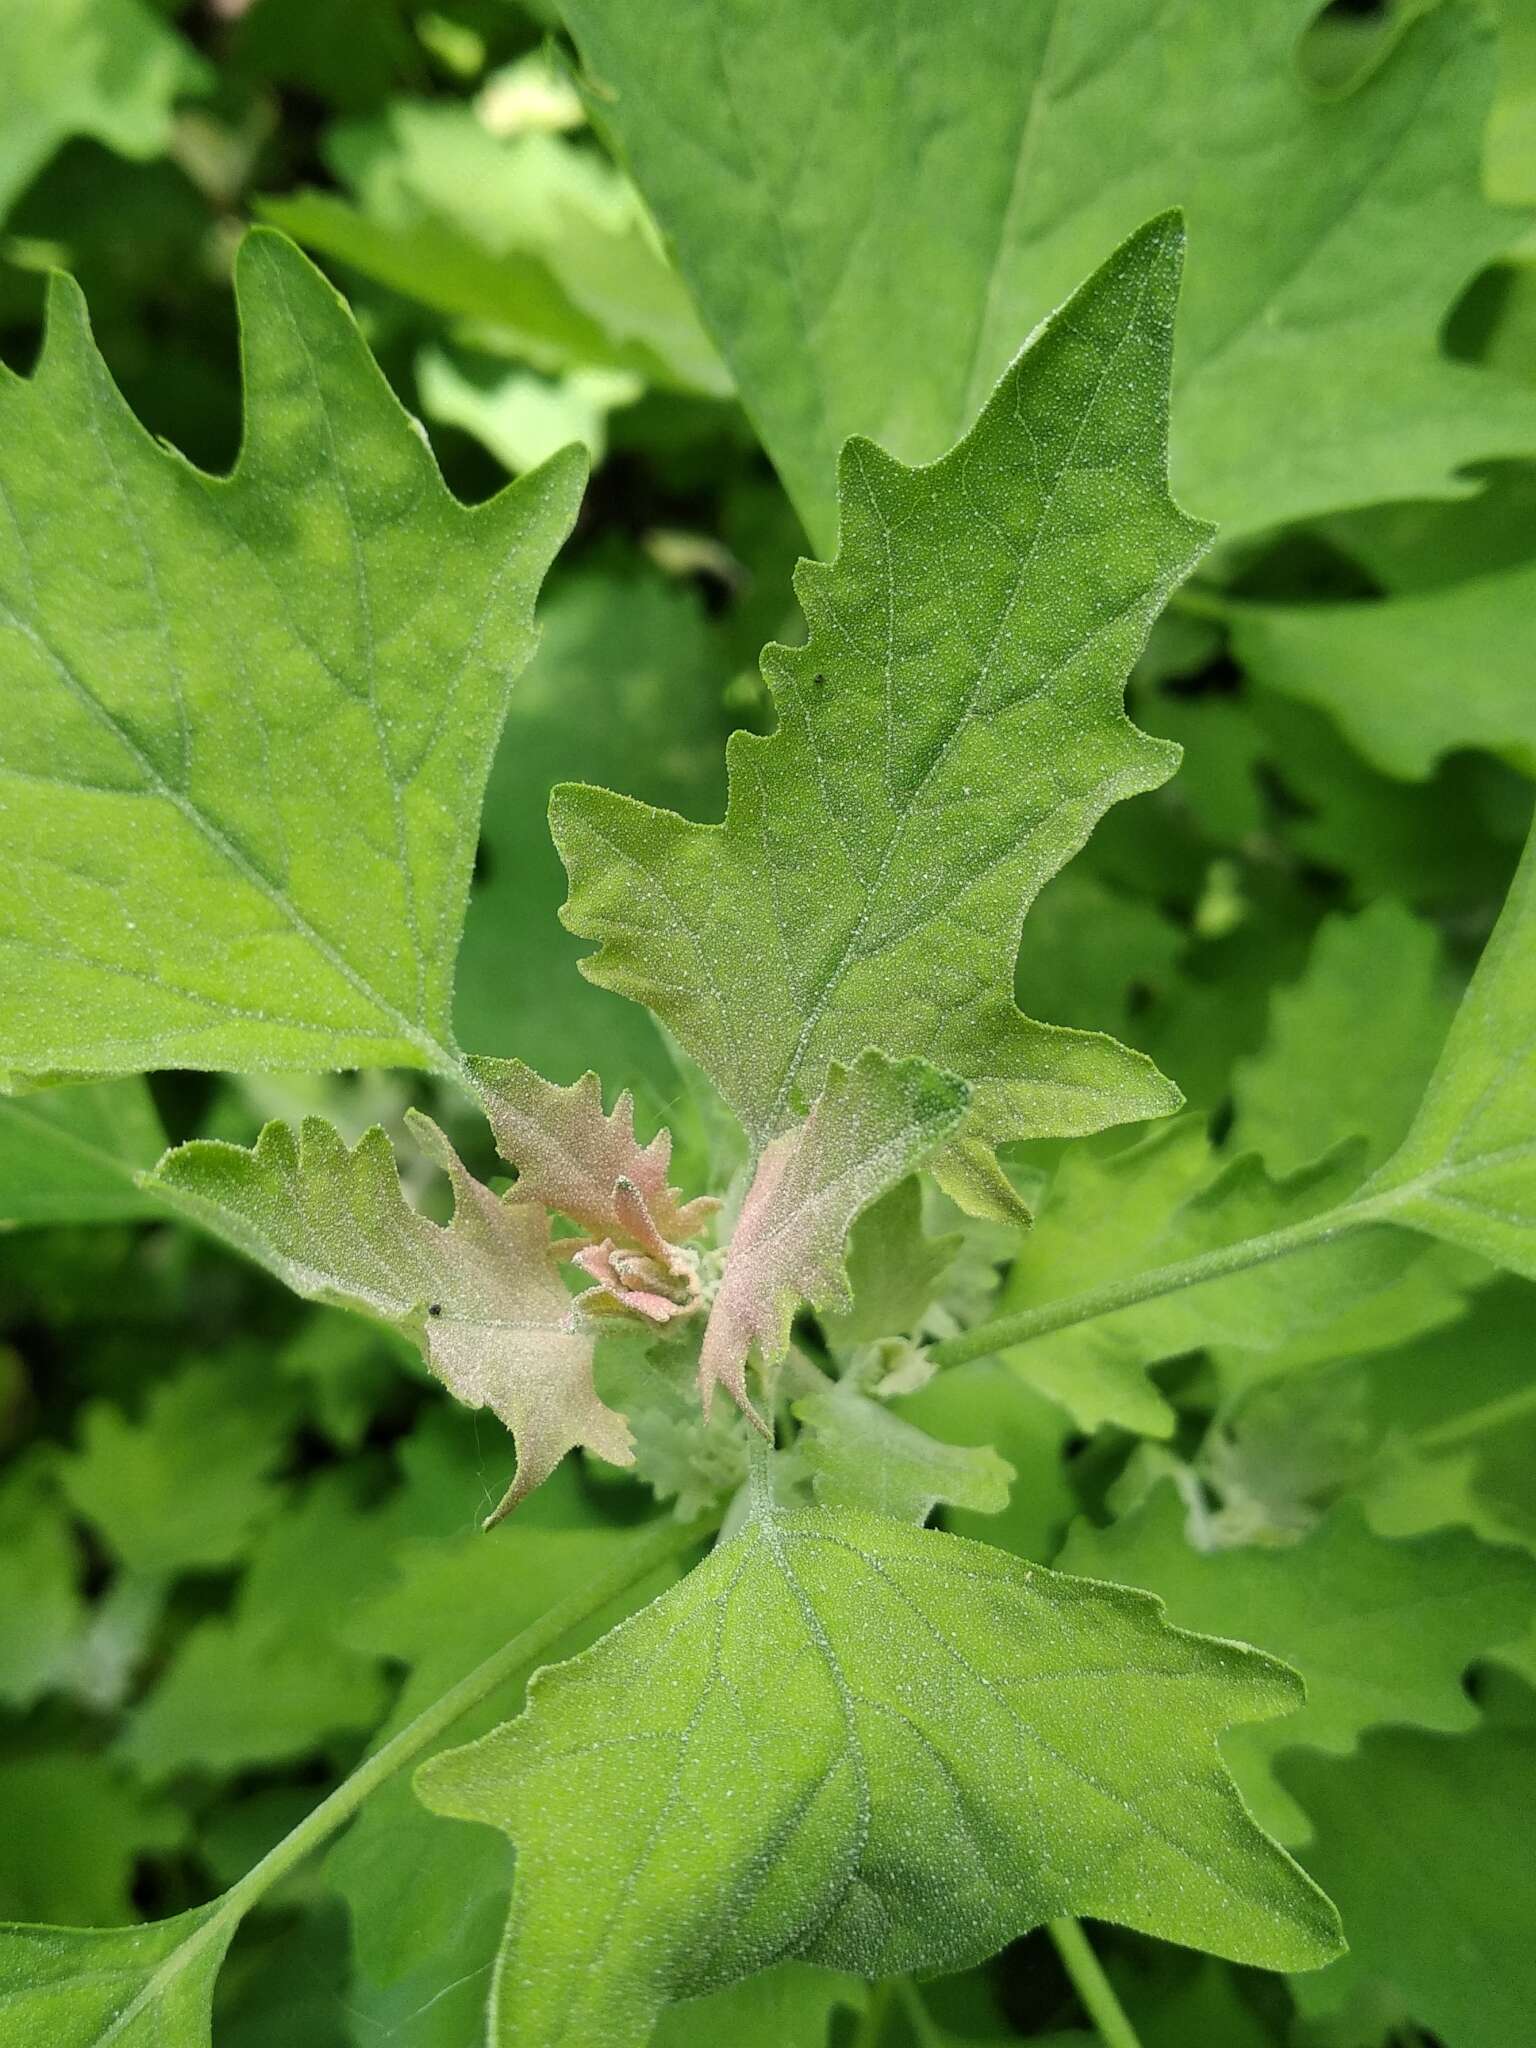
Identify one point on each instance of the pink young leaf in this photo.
(873, 1123)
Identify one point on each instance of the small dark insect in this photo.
(434, 1308)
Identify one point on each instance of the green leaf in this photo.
(790, 2006)
(184, 1486)
(947, 738)
(624, 690)
(954, 1748)
(1466, 1171)
(521, 417)
(75, 1828)
(538, 242)
(40, 1598)
(870, 270)
(1407, 678)
(483, 1296)
(1380, 1631)
(107, 68)
(1351, 1045)
(893, 1269)
(240, 789)
(121, 1987)
(860, 1455)
(1426, 1840)
(73, 1155)
(872, 1124)
(1168, 1197)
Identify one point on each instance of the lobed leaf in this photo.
(1380, 1631)
(947, 737)
(483, 1296)
(954, 1747)
(252, 716)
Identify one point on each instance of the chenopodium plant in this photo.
(255, 713)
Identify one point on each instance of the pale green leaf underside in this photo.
(249, 719)
(1467, 1169)
(1380, 1631)
(946, 740)
(805, 159)
(953, 1747)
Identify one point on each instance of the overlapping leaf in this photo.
(872, 206)
(947, 737)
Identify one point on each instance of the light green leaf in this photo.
(1351, 1045)
(241, 775)
(624, 690)
(954, 1748)
(409, 1882)
(860, 1455)
(893, 1269)
(185, 1485)
(1426, 1840)
(947, 738)
(871, 1125)
(537, 241)
(521, 417)
(74, 1830)
(1162, 1199)
(985, 1405)
(871, 210)
(1380, 1631)
(483, 1297)
(41, 1607)
(120, 1987)
(1408, 678)
(72, 1155)
(108, 68)
(1466, 1171)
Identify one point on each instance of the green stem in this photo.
(652, 1548)
(1091, 1985)
(1004, 1332)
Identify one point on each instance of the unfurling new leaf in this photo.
(874, 1122)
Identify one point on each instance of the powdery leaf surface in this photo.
(953, 1747)
(874, 1122)
(947, 737)
(483, 1295)
(572, 1157)
(121, 1987)
(250, 717)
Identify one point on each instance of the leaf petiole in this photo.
(1091, 1984)
(1003, 1332)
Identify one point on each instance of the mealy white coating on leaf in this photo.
(590, 1166)
(873, 1123)
(483, 1295)
(876, 1748)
